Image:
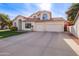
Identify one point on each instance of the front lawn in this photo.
(4, 33)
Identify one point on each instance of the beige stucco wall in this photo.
(23, 24)
(40, 15)
(17, 22)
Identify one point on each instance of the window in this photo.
(45, 17)
(28, 25)
(15, 24)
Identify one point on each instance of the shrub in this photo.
(12, 28)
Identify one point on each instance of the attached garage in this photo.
(47, 26)
(54, 27)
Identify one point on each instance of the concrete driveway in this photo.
(36, 44)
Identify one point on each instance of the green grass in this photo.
(4, 33)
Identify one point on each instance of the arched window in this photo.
(45, 17)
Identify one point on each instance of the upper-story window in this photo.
(45, 17)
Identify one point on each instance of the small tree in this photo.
(72, 11)
(5, 21)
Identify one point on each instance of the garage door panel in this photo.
(50, 27)
(40, 28)
(56, 28)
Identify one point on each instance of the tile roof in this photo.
(38, 20)
(35, 19)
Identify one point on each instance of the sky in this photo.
(26, 9)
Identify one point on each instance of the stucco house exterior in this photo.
(39, 21)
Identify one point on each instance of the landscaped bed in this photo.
(4, 33)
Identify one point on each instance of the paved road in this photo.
(36, 44)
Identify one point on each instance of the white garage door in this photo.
(49, 27)
(55, 28)
(39, 27)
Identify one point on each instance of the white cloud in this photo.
(45, 6)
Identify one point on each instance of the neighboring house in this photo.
(3, 26)
(74, 29)
(39, 21)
